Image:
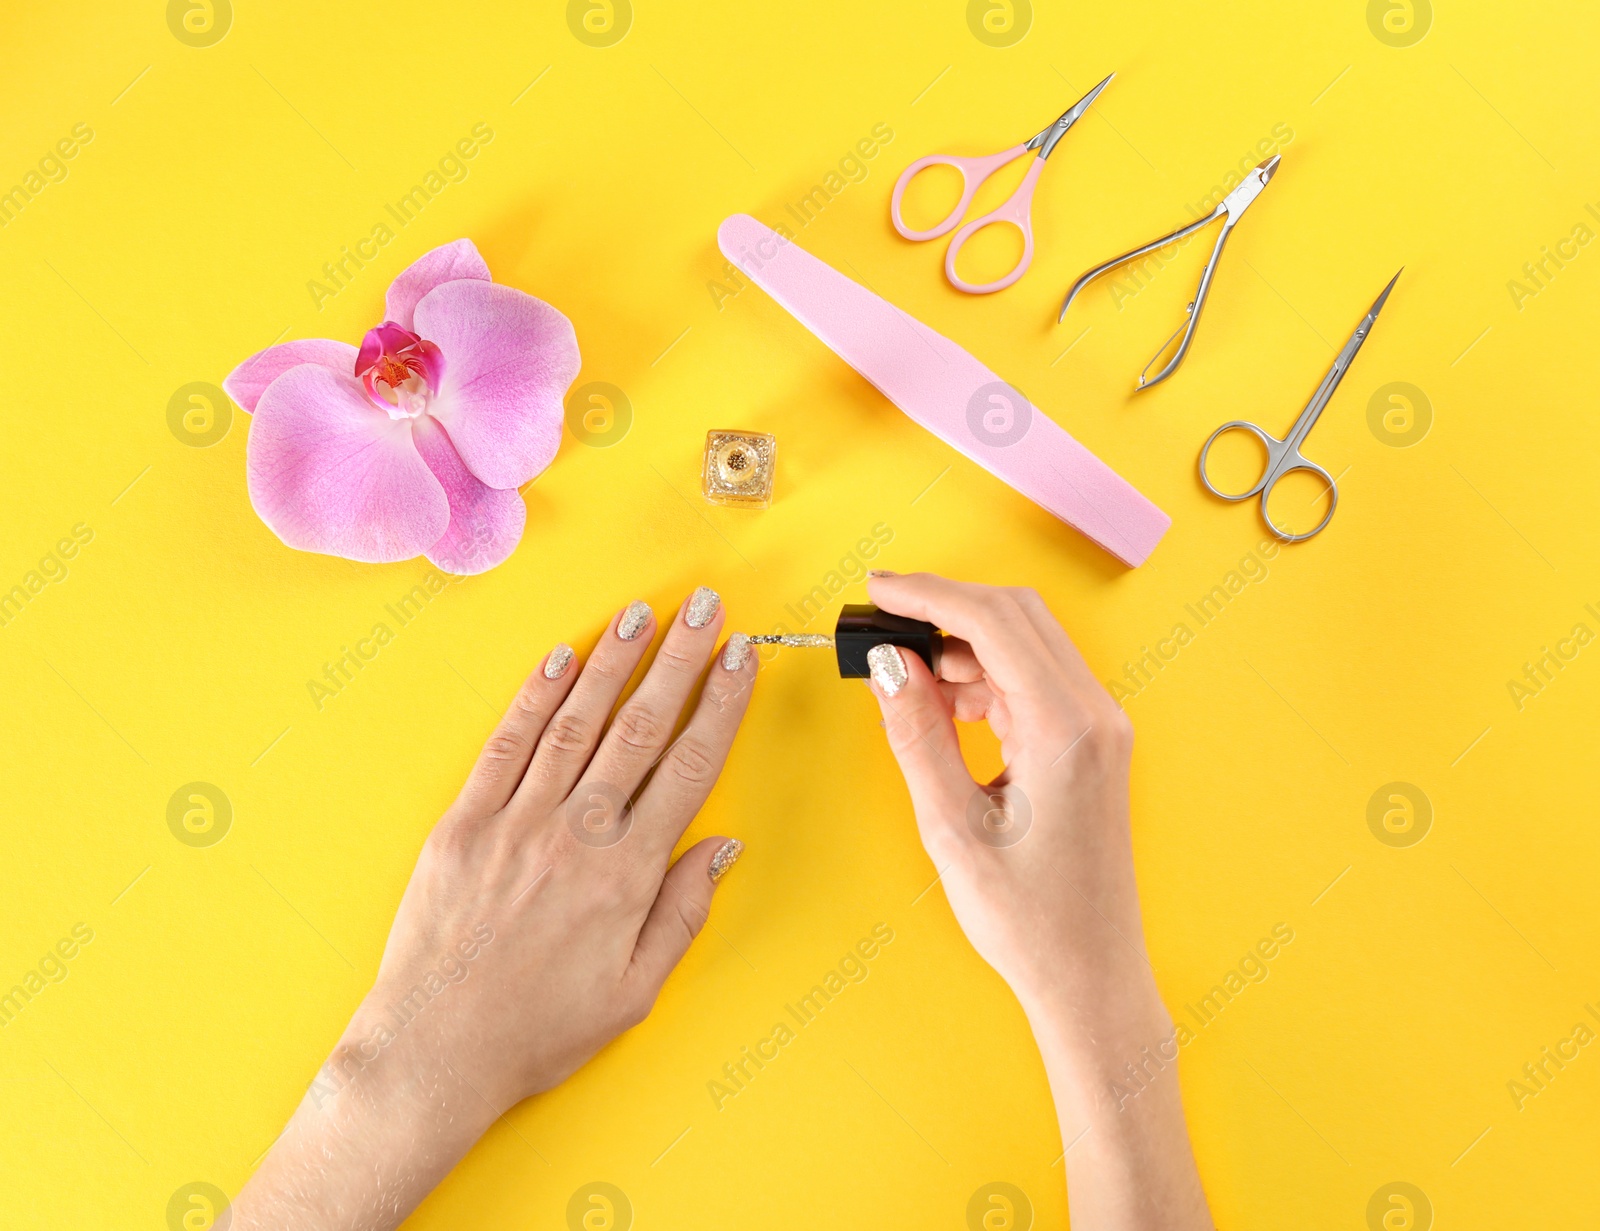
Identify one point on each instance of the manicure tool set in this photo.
(946, 390)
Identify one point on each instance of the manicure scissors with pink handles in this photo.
(1015, 210)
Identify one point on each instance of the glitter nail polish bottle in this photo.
(739, 468)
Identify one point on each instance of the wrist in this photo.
(396, 1059)
(383, 1120)
(1089, 1033)
(1111, 1055)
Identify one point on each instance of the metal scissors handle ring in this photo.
(1283, 457)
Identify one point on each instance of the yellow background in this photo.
(218, 182)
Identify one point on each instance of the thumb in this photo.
(681, 907)
(922, 735)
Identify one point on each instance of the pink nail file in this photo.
(949, 392)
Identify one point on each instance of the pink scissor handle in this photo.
(973, 172)
(1015, 210)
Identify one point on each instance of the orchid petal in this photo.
(330, 472)
(458, 260)
(246, 383)
(485, 523)
(509, 359)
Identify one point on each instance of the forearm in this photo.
(1112, 1061)
(379, 1127)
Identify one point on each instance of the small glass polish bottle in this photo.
(739, 468)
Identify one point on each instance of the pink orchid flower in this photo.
(416, 443)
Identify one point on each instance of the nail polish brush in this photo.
(862, 626)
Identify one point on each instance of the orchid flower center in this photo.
(401, 371)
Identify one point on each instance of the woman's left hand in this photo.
(544, 915)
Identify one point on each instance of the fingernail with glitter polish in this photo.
(560, 659)
(702, 608)
(634, 619)
(888, 668)
(727, 855)
(736, 653)
(881, 572)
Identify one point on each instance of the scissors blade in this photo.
(1377, 304)
(1359, 337)
(1045, 141)
(1341, 365)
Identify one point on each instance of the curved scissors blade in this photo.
(1045, 140)
(1341, 365)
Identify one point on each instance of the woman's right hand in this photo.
(1038, 864)
(1038, 868)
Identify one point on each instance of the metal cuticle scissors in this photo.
(1232, 208)
(1284, 456)
(1016, 210)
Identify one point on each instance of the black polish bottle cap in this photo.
(862, 626)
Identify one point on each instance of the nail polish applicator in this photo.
(862, 626)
